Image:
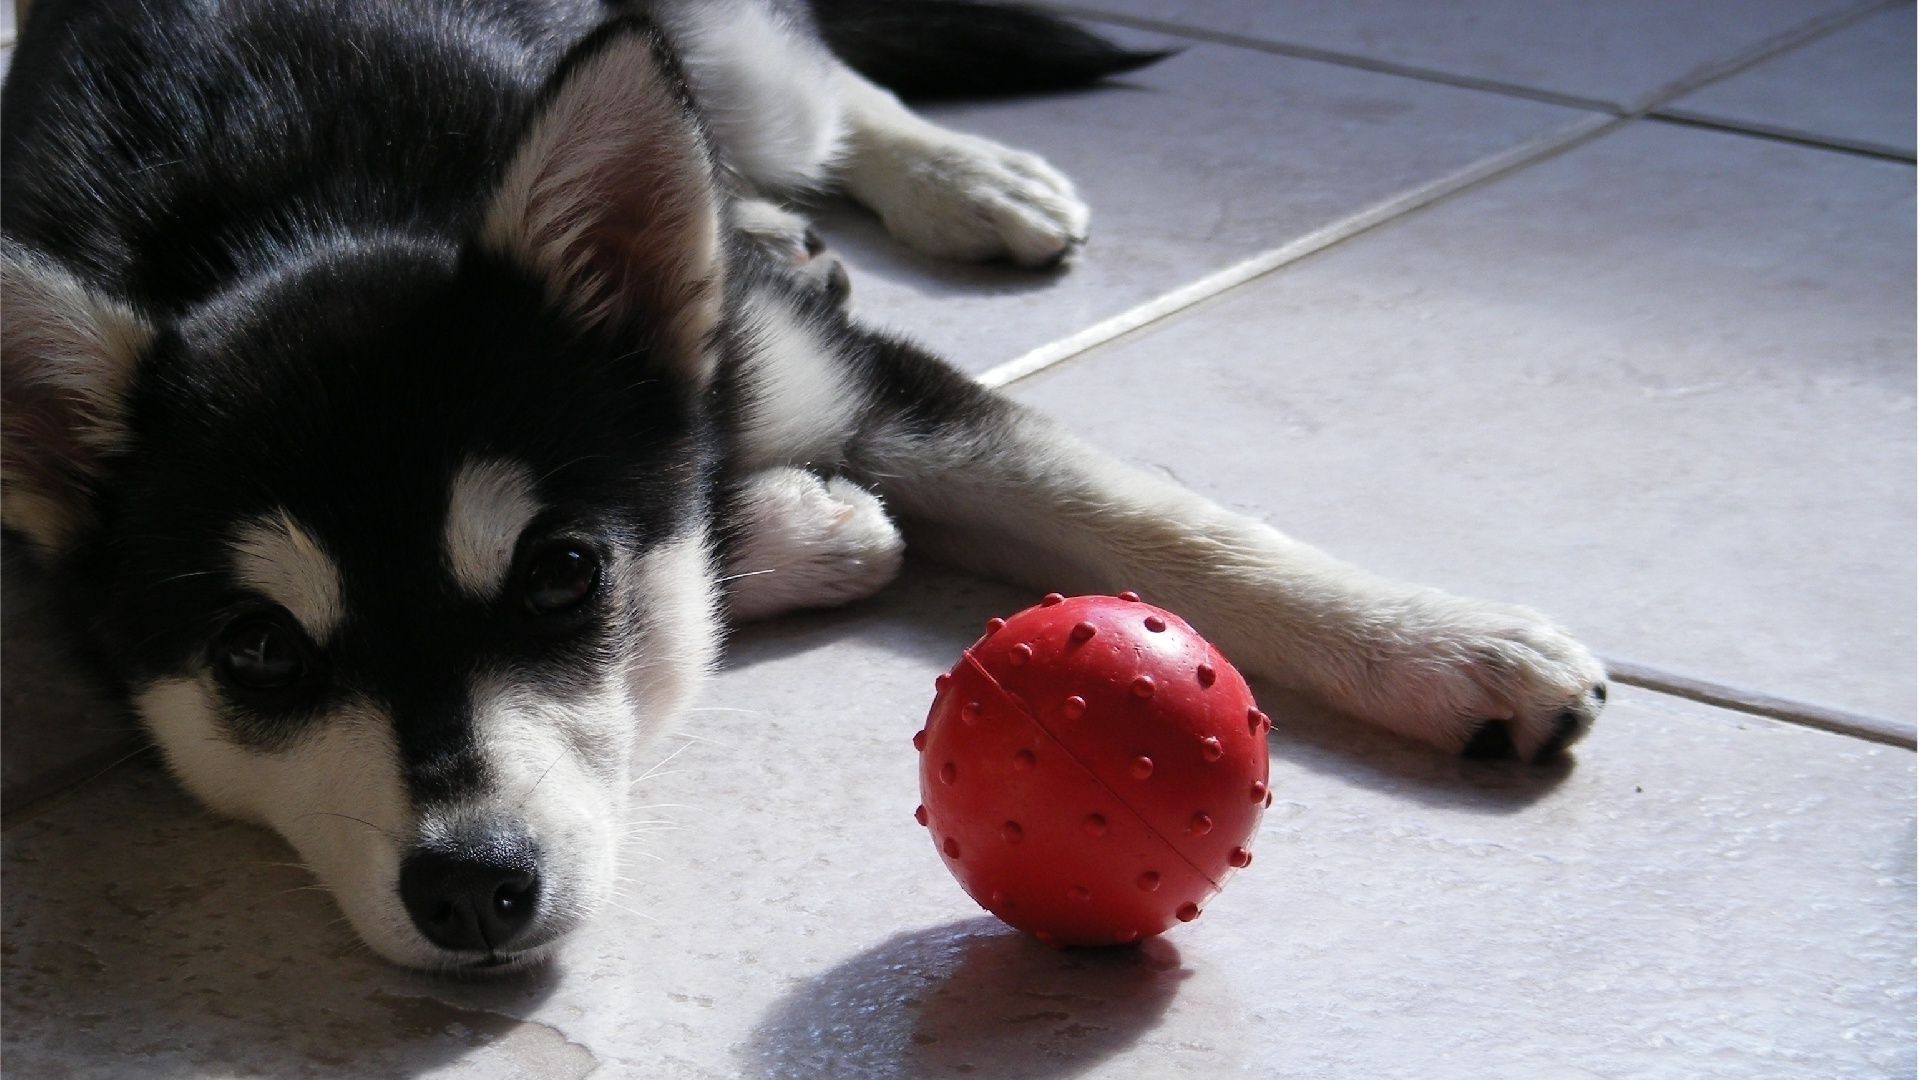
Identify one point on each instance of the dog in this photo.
(406, 393)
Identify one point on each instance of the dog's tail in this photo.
(964, 48)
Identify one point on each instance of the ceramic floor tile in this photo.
(1211, 157)
(1854, 87)
(1702, 894)
(1622, 53)
(1661, 387)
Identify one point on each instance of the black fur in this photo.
(164, 155)
(331, 338)
(291, 190)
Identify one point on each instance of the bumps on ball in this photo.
(1093, 770)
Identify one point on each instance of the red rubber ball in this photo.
(1092, 770)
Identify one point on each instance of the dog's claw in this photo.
(1491, 743)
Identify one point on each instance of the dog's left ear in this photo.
(610, 198)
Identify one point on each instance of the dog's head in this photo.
(402, 541)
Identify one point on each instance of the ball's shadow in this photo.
(970, 997)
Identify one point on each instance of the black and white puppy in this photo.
(406, 390)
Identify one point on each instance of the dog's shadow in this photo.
(932, 613)
(968, 997)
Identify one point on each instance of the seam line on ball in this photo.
(1012, 699)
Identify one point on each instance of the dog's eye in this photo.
(261, 654)
(560, 576)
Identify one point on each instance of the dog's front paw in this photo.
(811, 543)
(961, 197)
(1487, 680)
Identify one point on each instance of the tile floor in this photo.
(1420, 283)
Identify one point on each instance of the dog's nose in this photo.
(477, 898)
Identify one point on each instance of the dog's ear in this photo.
(67, 359)
(610, 198)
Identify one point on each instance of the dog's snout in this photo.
(478, 898)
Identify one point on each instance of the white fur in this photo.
(773, 226)
(810, 543)
(953, 195)
(278, 558)
(490, 503)
(336, 795)
(766, 90)
(802, 401)
(67, 356)
(677, 640)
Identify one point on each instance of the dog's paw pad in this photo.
(1490, 742)
(1493, 740)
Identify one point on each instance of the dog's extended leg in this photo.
(800, 541)
(983, 482)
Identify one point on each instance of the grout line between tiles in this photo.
(1858, 148)
(1763, 50)
(1326, 236)
(1336, 57)
(1755, 703)
(1759, 53)
(1513, 159)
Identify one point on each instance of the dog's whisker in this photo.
(630, 911)
(695, 738)
(350, 817)
(543, 775)
(558, 469)
(654, 776)
(748, 574)
(663, 761)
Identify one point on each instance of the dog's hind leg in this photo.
(789, 117)
(796, 540)
(953, 195)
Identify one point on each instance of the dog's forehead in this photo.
(372, 465)
(298, 554)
